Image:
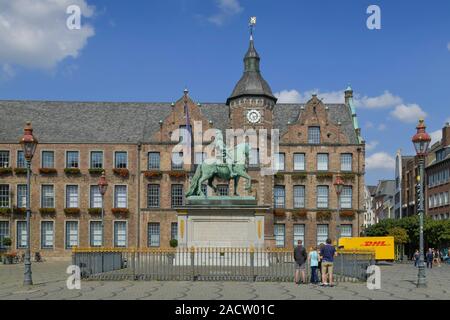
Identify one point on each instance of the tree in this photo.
(400, 235)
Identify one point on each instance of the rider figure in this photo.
(221, 148)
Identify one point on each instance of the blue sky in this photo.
(150, 50)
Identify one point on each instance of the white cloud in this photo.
(227, 9)
(436, 136)
(288, 96)
(448, 46)
(371, 145)
(34, 34)
(385, 100)
(369, 125)
(409, 113)
(293, 96)
(6, 72)
(380, 160)
(381, 127)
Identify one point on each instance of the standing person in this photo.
(300, 257)
(437, 257)
(416, 258)
(319, 267)
(313, 259)
(327, 253)
(429, 258)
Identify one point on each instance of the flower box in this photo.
(348, 176)
(47, 171)
(279, 175)
(121, 172)
(299, 213)
(19, 210)
(20, 170)
(72, 171)
(72, 210)
(5, 210)
(323, 215)
(121, 211)
(324, 176)
(347, 214)
(279, 212)
(152, 174)
(96, 171)
(5, 171)
(95, 210)
(299, 175)
(47, 210)
(177, 174)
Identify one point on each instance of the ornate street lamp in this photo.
(29, 143)
(338, 185)
(421, 141)
(103, 186)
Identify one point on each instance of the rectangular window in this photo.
(21, 196)
(96, 233)
(223, 190)
(21, 235)
(120, 197)
(4, 159)
(299, 233)
(279, 194)
(153, 196)
(47, 196)
(254, 158)
(279, 233)
(153, 234)
(72, 196)
(299, 196)
(314, 135)
(121, 160)
(346, 162)
(177, 161)
(322, 196)
(154, 160)
(322, 234)
(322, 161)
(95, 199)
(71, 234)
(48, 159)
(72, 159)
(120, 234)
(4, 232)
(346, 197)
(279, 161)
(47, 235)
(177, 195)
(299, 161)
(174, 231)
(96, 160)
(4, 196)
(346, 230)
(21, 163)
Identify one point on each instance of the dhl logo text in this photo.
(374, 244)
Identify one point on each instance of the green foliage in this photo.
(400, 235)
(7, 242)
(173, 243)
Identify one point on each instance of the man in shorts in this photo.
(327, 254)
(300, 257)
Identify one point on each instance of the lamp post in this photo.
(338, 185)
(421, 141)
(28, 143)
(103, 186)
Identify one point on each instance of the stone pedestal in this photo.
(236, 222)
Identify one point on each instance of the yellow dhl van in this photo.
(382, 246)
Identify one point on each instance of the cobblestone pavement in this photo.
(397, 282)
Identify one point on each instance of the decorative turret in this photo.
(351, 106)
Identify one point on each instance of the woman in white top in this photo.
(313, 259)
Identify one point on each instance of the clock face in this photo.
(253, 116)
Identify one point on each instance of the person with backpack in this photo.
(300, 257)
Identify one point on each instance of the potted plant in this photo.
(152, 174)
(95, 210)
(324, 176)
(279, 212)
(121, 172)
(47, 171)
(323, 215)
(96, 171)
(171, 255)
(5, 171)
(20, 170)
(7, 258)
(72, 171)
(5, 210)
(120, 211)
(299, 214)
(71, 210)
(177, 174)
(47, 210)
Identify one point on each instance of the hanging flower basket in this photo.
(5, 210)
(177, 174)
(347, 214)
(324, 176)
(72, 210)
(299, 213)
(20, 170)
(152, 174)
(72, 171)
(5, 171)
(279, 212)
(323, 215)
(121, 172)
(47, 210)
(96, 171)
(47, 171)
(120, 211)
(95, 211)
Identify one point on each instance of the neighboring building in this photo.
(404, 201)
(438, 178)
(369, 215)
(132, 143)
(384, 200)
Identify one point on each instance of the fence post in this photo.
(192, 262)
(252, 263)
(133, 263)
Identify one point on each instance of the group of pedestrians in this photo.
(432, 256)
(319, 260)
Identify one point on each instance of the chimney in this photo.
(446, 135)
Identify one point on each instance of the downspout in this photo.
(138, 234)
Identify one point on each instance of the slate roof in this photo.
(385, 188)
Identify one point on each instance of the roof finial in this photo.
(251, 25)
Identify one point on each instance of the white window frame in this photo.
(90, 234)
(65, 159)
(65, 195)
(114, 195)
(54, 158)
(65, 234)
(114, 159)
(41, 235)
(114, 233)
(90, 158)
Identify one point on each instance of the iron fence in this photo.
(208, 264)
